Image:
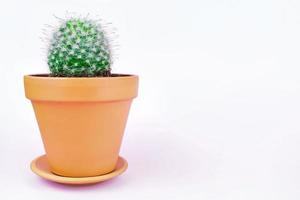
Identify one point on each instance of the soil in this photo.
(110, 75)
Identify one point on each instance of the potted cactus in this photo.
(81, 107)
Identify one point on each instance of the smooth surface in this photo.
(80, 89)
(218, 111)
(41, 167)
(81, 120)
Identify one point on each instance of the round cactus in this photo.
(79, 48)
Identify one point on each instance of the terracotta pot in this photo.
(81, 120)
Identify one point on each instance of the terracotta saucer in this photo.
(40, 167)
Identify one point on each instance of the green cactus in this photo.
(79, 48)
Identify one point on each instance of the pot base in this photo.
(40, 167)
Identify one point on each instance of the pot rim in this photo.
(46, 76)
(41, 87)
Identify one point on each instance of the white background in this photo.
(218, 111)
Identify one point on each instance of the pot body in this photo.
(81, 120)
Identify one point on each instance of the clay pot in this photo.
(81, 120)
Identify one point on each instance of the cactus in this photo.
(79, 48)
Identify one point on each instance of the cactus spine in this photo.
(79, 48)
